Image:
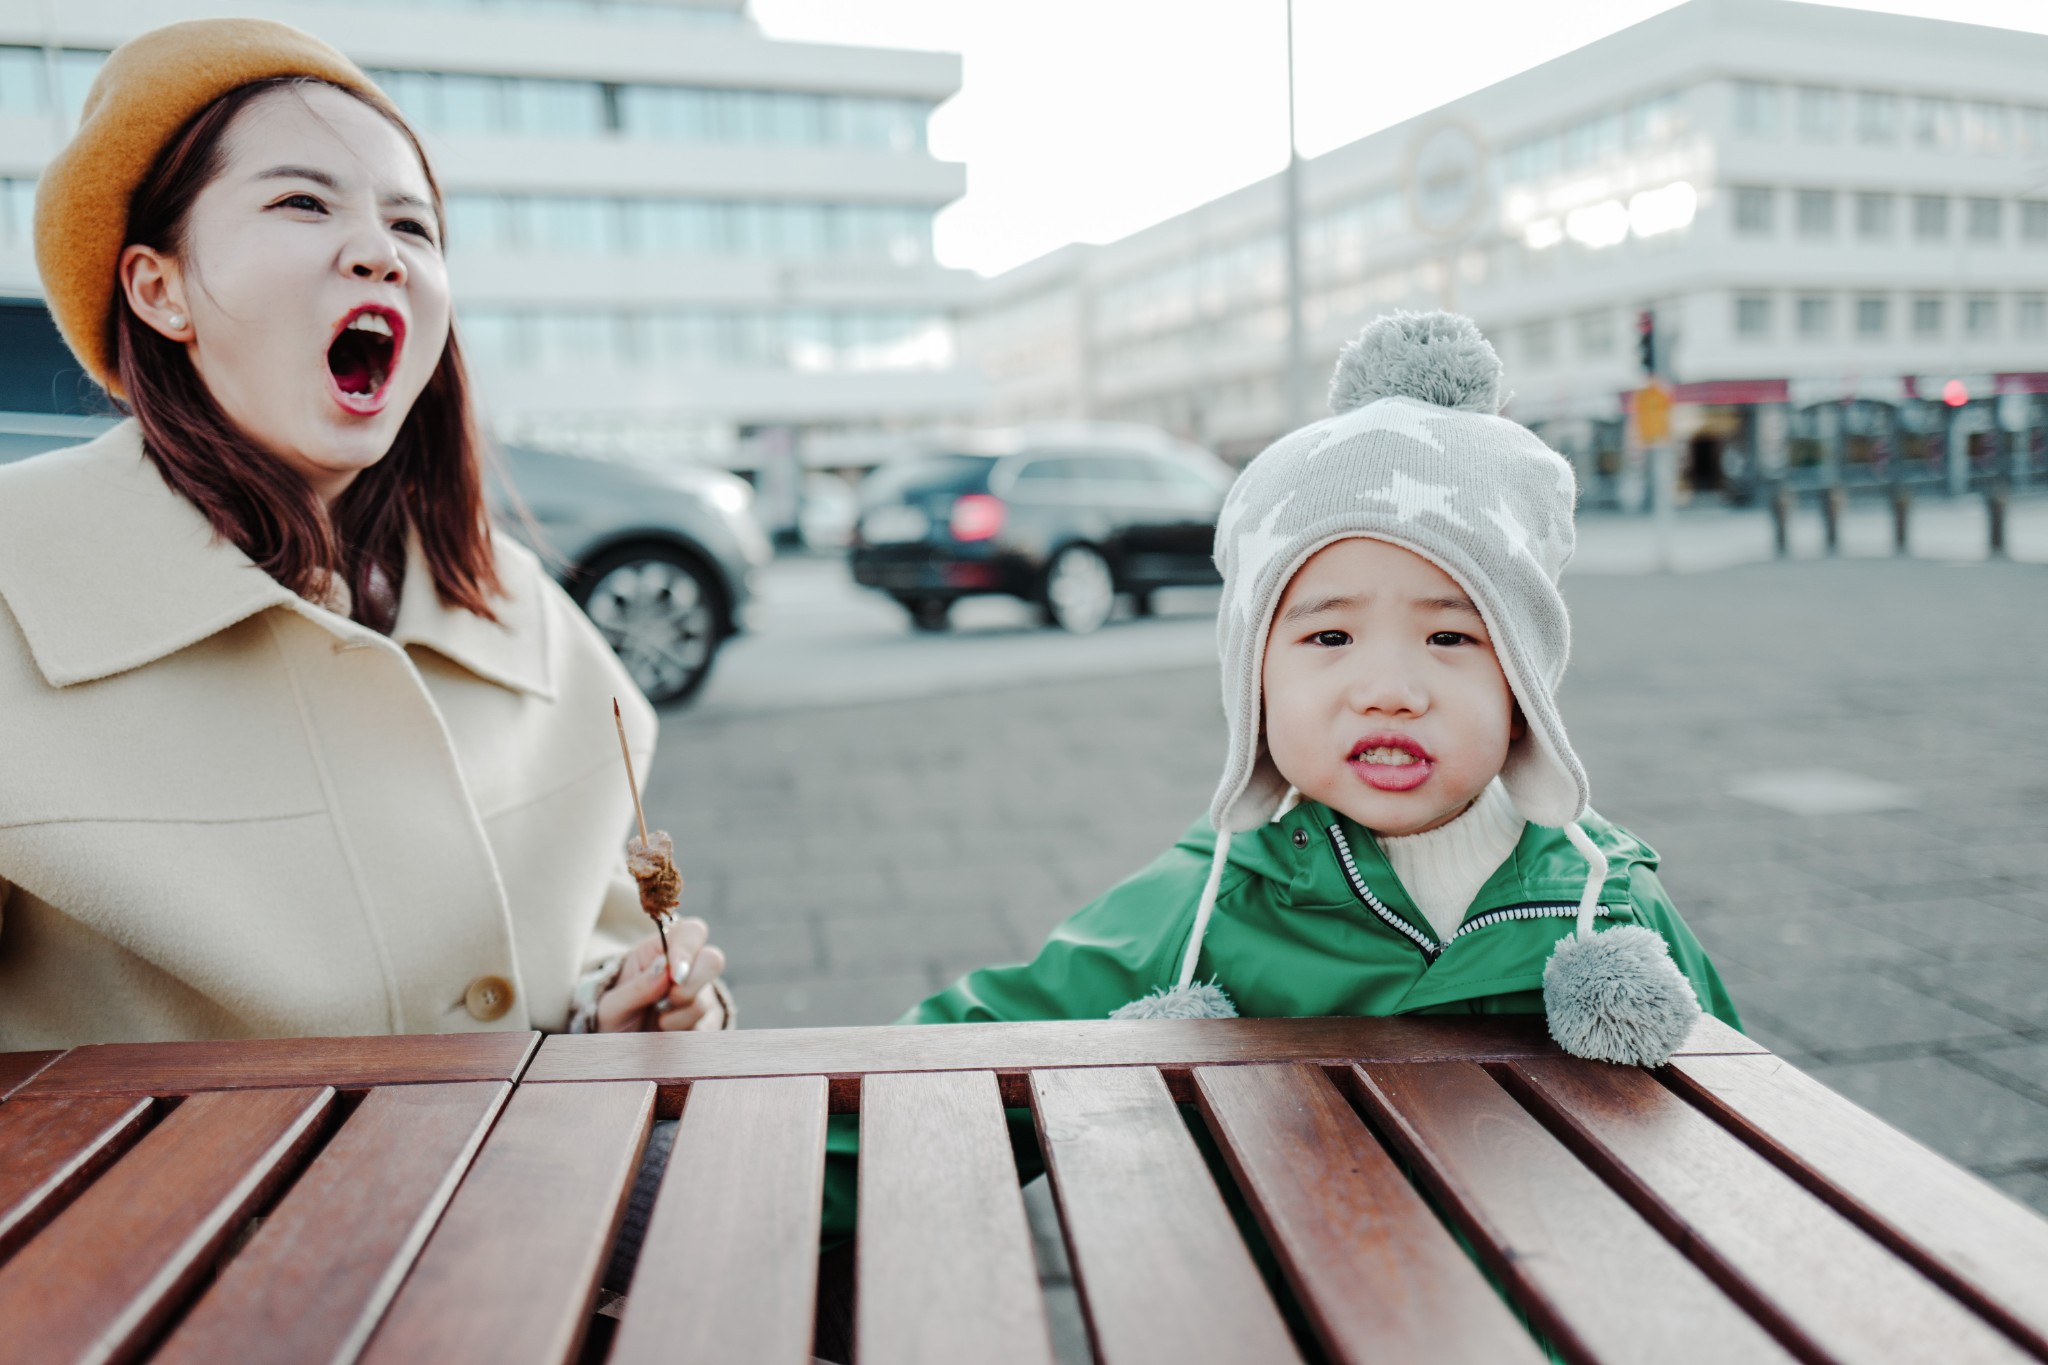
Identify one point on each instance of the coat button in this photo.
(488, 998)
(1301, 838)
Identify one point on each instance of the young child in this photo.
(1402, 826)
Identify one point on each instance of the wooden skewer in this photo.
(632, 784)
(633, 787)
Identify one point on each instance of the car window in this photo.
(1177, 475)
(927, 474)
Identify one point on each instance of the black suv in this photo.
(1066, 525)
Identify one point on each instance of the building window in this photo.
(1985, 219)
(1987, 128)
(2034, 132)
(22, 88)
(1539, 345)
(2034, 222)
(1877, 117)
(1930, 217)
(2030, 315)
(1752, 316)
(1980, 315)
(1927, 317)
(1820, 114)
(1753, 210)
(1816, 317)
(1874, 216)
(1934, 124)
(1756, 108)
(1816, 213)
(1872, 316)
(1595, 333)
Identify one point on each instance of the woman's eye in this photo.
(301, 201)
(1448, 638)
(414, 226)
(1330, 639)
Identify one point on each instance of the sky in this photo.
(1086, 120)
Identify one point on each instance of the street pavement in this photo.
(1843, 763)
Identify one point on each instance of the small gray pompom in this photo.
(1438, 357)
(1618, 997)
(1203, 1000)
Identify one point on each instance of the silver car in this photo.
(662, 562)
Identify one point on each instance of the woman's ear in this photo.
(154, 288)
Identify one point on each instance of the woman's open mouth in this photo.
(1390, 762)
(362, 357)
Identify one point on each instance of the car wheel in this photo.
(658, 611)
(1079, 590)
(927, 613)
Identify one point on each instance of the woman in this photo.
(290, 743)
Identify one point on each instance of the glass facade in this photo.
(793, 339)
(605, 226)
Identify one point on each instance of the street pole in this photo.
(1292, 389)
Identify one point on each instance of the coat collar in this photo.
(106, 569)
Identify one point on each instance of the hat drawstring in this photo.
(1596, 875)
(1203, 909)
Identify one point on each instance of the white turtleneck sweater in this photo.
(1443, 868)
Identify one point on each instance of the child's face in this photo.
(1383, 698)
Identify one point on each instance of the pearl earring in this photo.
(177, 322)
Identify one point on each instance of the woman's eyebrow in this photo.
(396, 200)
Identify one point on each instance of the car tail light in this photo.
(977, 516)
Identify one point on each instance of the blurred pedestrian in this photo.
(290, 742)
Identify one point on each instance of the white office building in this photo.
(671, 236)
(1839, 220)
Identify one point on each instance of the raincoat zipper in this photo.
(1431, 948)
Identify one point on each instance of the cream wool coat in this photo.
(228, 812)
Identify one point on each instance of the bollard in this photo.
(1781, 519)
(1832, 500)
(1995, 499)
(1902, 506)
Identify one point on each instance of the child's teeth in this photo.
(1399, 758)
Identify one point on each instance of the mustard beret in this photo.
(150, 87)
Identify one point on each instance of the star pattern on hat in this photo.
(1255, 550)
(1404, 418)
(1412, 497)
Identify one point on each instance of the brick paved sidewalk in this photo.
(854, 859)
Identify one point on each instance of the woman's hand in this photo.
(643, 999)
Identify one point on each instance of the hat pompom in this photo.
(1618, 997)
(1438, 357)
(1201, 1000)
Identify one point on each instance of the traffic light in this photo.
(1646, 340)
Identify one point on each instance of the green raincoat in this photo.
(1310, 920)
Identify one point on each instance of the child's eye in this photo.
(1449, 638)
(1330, 639)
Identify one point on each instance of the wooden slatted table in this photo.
(1349, 1190)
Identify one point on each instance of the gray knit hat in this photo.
(1416, 454)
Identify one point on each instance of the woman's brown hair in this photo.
(431, 478)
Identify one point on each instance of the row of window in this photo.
(1877, 317)
(797, 339)
(1877, 216)
(1642, 126)
(36, 81)
(524, 106)
(629, 11)
(17, 212)
(1878, 118)
(588, 226)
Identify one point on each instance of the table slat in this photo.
(1987, 1249)
(1596, 1278)
(95, 1283)
(51, 1149)
(1774, 1246)
(946, 1268)
(846, 1054)
(729, 1270)
(315, 1279)
(510, 1273)
(1163, 1273)
(1381, 1279)
(17, 1067)
(262, 1063)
